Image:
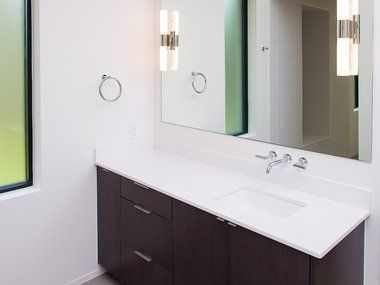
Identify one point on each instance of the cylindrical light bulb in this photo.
(173, 59)
(354, 8)
(163, 58)
(343, 57)
(354, 59)
(174, 22)
(164, 22)
(343, 10)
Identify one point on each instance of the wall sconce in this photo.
(348, 37)
(169, 40)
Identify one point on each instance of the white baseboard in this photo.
(87, 277)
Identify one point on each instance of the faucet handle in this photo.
(302, 163)
(271, 155)
(287, 158)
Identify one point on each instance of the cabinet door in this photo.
(342, 265)
(109, 221)
(256, 260)
(200, 244)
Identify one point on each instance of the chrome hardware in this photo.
(194, 75)
(286, 159)
(350, 29)
(302, 163)
(271, 155)
(141, 209)
(143, 256)
(220, 219)
(141, 185)
(105, 170)
(356, 29)
(232, 225)
(104, 79)
(345, 29)
(171, 41)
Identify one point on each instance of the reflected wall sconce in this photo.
(169, 40)
(348, 37)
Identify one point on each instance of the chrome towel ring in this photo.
(195, 75)
(106, 78)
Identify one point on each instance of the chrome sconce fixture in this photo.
(169, 40)
(348, 37)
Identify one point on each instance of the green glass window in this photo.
(15, 95)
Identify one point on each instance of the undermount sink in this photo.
(250, 201)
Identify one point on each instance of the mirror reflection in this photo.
(288, 72)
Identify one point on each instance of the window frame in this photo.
(28, 102)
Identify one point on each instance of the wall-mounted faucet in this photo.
(286, 159)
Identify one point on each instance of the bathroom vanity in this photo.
(278, 72)
(161, 221)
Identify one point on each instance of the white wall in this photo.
(49, 237)
(347, 171)
(200, 52)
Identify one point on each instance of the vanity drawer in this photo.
(147, 232)
(138, 269)
(148, 198)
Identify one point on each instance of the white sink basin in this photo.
(250, 201)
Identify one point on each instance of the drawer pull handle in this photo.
(141, 209)
(220, 219)
(143, 256)
(140, 185)
(232, 225)
(105, 170)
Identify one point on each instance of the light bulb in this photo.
(343, 10)
(164, 22)
(174, 22)
(163, 58)
(343, 57)
(174, 57)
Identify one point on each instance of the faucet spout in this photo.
(286, 159)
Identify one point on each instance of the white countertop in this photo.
(315, 229)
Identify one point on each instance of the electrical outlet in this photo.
(133, 132)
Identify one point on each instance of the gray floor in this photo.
(102, 280)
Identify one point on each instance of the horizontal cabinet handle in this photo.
(141, 209)
(232, 225)
(220, 219)
(141, 185)
(105, 170)
(143, 256)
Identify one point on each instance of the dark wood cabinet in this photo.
(147, 233)
(344, 264)
(109, 221)
(146, 237)
(254, 259)
(146, 197)
(137, 271)
(200, 247)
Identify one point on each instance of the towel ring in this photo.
(106, 78)
(194, 75)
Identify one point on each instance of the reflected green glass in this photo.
(13, 90)
(235, 17)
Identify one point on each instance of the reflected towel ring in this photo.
(106, 78)
(194, 75)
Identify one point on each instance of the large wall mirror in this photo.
(296, 73)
